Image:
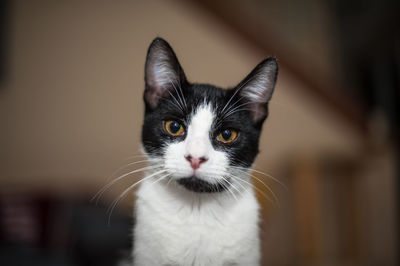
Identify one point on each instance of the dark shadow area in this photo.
(42, 230)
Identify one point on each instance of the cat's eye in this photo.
(174, 128)
(227, 135)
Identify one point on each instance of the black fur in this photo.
(198, 185)
(161, 108)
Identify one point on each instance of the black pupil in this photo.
(174, 127)
(226, 134)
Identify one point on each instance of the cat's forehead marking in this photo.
(201, 121)
(197, 142)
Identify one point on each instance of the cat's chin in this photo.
(198, 185)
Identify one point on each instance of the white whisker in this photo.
(237, 109)
(115, 202)
(177, 104)
(237, 90)
(182, 99)
(183, 96)
(269, 189)
(256, 188)
(126, 165)
(262, 173)
(227, 188)
(99, 194)
(159, 179)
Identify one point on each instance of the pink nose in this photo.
(195, 162)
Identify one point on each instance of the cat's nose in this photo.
(195, 161)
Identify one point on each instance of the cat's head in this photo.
(202, 135)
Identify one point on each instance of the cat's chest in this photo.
(195, 240)
(197, 244)
(197, 234)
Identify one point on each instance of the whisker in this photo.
(269, 189)
(182, 99)
(126, 165)
(259, 180)
(99, 194)
(183, 96)
(159, 179)
(177, 104)
(223, 115)
(237, 109)
(230, 99)
(256, 188)
(227, 188)
(237, 90)
(115, 202)
(169, 181)
(262, 173)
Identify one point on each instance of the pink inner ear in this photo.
(162, 67)
(258, 87)
(152, 97)
(258, 111)
(154, 90)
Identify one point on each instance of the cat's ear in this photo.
(163, 72)
(257, 88)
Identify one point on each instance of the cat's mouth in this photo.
(196, 184)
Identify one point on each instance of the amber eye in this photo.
(227, 135)
(174, 128)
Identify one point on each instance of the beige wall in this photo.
(71, 110)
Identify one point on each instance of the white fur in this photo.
(175, 226)
(197, 144)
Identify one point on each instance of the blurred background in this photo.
(71, 82)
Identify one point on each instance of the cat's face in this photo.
(202, 135)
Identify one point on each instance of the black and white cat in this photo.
(197, 205)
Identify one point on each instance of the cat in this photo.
(197, 206)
